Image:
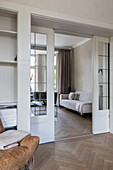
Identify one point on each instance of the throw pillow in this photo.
(77, 96)
(71, 96)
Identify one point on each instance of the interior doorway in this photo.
(73, 86)
(84, 31)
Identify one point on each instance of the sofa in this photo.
(18, 157)
(78, 101)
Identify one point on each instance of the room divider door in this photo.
(111, 84)
(42, 83)
(101, 85)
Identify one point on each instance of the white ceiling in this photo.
(64, 26)
(68, 41)
(61, 40)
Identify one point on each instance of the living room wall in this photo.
(93, 10)
(82, 67)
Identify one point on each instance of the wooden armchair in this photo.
(19, 156)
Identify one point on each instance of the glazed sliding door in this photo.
(111, 84)
(42, 83)
(101, 87)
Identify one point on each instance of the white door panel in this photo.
(101, 97)
(98, 126)
(43, 125)
(111, 84)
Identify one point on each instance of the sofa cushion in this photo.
(71, 96)
(70, 104)
(85, 96)
(77, 95)
(77, 106)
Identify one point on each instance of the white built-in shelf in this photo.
(8, 33)
(8, 104)
(7, 62)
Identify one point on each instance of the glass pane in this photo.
(41, 59)
(103, 49)
(39, 95)
(103, 75)
(103, 103)
(54, 79)
(103, 62)
(32, 52)
(103, 90)
(32, 61)
(32, 39)
(41, 74)
(55, 60)
(38, 74)
(39, 109)
(32, 88)
(32, 76)
(40, 40)
(41, 87)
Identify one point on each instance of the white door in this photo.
(42, 83)
(101, 87)
(111, 84)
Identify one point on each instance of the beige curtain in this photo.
(63, 72)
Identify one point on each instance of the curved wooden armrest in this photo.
(29, 140)
(1, 127)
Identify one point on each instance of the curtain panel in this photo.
(63, 72)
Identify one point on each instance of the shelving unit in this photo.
(8, 33)
(8, 67)
(8, 104)
(8, 62)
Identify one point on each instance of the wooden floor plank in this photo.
(91, 153)
(71, 124)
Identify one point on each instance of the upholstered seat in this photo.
(16, 157)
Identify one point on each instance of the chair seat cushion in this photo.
(16, 157)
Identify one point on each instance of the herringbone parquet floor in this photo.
(71, 124)
(91, 153)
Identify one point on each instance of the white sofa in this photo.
(82, 102)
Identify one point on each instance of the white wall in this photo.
(97, 10)
(82, 67)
